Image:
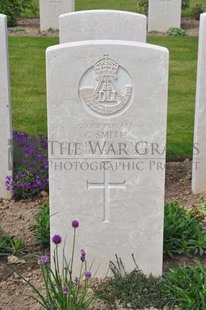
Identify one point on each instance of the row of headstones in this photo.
(104, 98)
(162, 14)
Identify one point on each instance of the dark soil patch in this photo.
(17, 217)
(31, 27)
(191, 25)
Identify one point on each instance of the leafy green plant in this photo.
(185, 287)
(13, 9)
(42, 226)
(133, 289)
(17, 30)
(197, 10)
(185, 4)
(182, 287)
(142, 7)
(183, 232)
(176, 32)
(63, 291)
(10, 245)
(199, 211)
(51, 30)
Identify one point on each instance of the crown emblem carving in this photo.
(106, 88)
(106, 67)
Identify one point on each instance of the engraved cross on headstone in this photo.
(56, 3)
(106, 186)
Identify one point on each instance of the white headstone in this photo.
(199, 151)
(50, 11)
(107, 108)
(5, 110)
(102, 25)
(164, 14)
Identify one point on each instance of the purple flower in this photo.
(31, 150)
(76, 279)
(87, 274)
(82, 258)
(8, 183)
(43, 260)
(83, 254)
(65, 290)
(57, 239)
(75, 224)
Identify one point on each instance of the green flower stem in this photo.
(73, 249)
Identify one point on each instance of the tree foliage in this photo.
(13, 9)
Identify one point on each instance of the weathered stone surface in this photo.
(102, 25)
(164, 14)
(107, 107)
(50, 11)
(5, 111)
(199, 150)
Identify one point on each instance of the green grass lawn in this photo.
(182, 87)
(126, 5)
(28, 89)
(28, 83)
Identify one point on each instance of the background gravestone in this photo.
(107, 108)
(164, 14)
(199, 156)
(102, 25)
(50, 11)
(5, 110)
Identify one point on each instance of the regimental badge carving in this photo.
(106, 88)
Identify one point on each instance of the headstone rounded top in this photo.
(110, 42)
(102, 25)
(112, 12)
